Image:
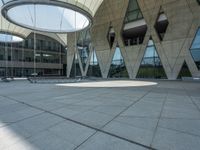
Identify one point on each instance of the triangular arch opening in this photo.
(134, 27)
(76, 70)
(195, 49)
(83, 44)
(161, 24)
(151, 65)
(118, 67)
(184, 72)
(94, 68)
(111, 36)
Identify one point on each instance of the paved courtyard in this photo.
(107, 115)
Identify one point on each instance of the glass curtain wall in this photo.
(94, 68)
(118, 68)
(133, 13)
(84, 44)
(76, 70)
(195, 49)
(151, 65)
(184, 72)
(20, 56)
(135, 35)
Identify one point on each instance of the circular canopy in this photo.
(9, 38)
(7, 27)
(46, 16)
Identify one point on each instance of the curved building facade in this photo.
(141, 39)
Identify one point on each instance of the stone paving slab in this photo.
(162, 116)
(166, 139)
(105, 142)
(130, 132)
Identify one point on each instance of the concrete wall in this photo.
(184, 20)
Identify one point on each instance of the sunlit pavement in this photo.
(103, 115)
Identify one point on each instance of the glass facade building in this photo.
(118, 67)
(83, 46)
(94, 68)
(18, 58)
(151, 65)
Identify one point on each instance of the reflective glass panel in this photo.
(76, 70)
(94, 68)
(133, 12)
(196, 42)
(151, 65)
(84, 42)
(195, 49)
(118, 68)
(184, 72)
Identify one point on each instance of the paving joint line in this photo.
(85, 140)
(119, 115)
(132, 104)
(160, 115)
(180, 131)
(193, 102)
(85, 125)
